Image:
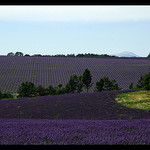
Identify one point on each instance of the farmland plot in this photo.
(54, 70)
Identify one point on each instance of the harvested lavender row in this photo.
(54, 70)
(80, 132)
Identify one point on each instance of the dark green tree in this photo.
(50, 90)
(59, 89)
(0, 94)
(106, 85)
(87, 78)
(146, 82)
(67, 89)
(148, 55)
(27, 89)
(7, 95)
(70, 55)
(80, 84)
(37, 55)
(18, 54)
(73, 83)
(26, 55)
(131, 85)
(10, 54)
(140, 83)
(40, 91)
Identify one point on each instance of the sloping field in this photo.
(82, 106)
(54, 70)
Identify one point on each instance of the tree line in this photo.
(76, 84)
(67, 55)
(61, 55)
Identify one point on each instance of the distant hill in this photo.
(126, 54)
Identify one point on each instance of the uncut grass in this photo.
(138, 99)
(82, 106)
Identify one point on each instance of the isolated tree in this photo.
(10, 54)
(106, 85)
(148, 55)
(27, 89)
(18, 54)
(131, 85)
(87, 78)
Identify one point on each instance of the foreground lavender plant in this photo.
(80, 132)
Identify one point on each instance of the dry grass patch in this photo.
(138, 99)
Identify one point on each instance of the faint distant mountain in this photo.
(126, 54)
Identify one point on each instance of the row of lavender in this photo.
(54, 70)
(76, 132)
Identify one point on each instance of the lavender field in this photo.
(54, 70)
(76, 119)
(80, 106)
(72, 119)
(74, 132)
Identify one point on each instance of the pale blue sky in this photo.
(77, 29)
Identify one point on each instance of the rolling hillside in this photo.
(54, 70)
(82, 106)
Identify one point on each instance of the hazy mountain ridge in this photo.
(126, 54)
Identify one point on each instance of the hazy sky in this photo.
(60, 29)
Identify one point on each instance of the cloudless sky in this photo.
(52, 29)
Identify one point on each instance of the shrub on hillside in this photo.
(0, 94)
(131, 85)
(50, 90)
(144, 82)
(75, 84)
(5, 95)
(140, 83)
(40, 91)
(106, 85)
(27, 89)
